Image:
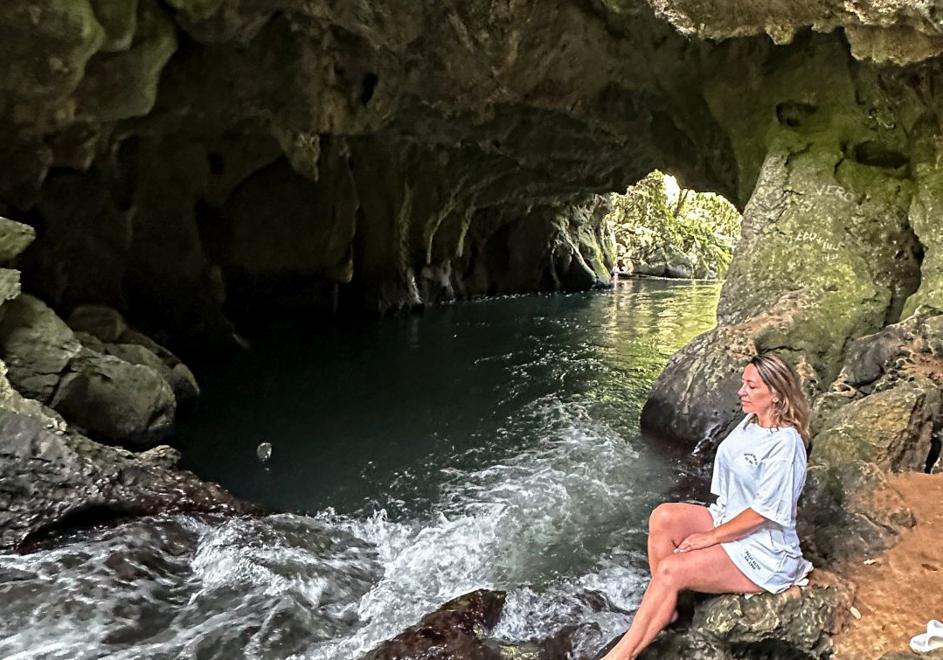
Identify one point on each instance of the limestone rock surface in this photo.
(54, 480)
(121, 393)
(14, 238)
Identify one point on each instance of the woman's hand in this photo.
(696, 542)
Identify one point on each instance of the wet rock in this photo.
(181, 380)
(452, 631)
(8, 574)
(54, 481)
(112, 336)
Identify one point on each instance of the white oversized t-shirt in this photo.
(763, 469)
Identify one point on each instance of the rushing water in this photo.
(481, 445)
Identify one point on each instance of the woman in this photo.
(746, 541)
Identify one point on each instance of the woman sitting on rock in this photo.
(746, 541)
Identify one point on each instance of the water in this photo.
(481, 445)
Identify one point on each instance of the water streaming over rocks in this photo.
(535, 482)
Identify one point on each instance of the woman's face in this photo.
(755, 396)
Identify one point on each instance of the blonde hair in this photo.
(790, 407)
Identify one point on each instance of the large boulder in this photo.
(115, 401)
(54, 481)
(122, 393)
(797, 621)
(105, 330)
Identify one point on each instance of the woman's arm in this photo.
(737, 527)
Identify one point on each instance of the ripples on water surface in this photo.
(481, 445)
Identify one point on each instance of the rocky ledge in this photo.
(99, 377)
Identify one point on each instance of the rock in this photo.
(793, 624)
(913, 347)
(123, 84)
(14, 238)
(799, 619)
(115, 400)
(119, 20)
(893, 31)
(103, 322)
(13, 401)
(9, 284)
(114, 337)
(179, 377)
(892, 428)
(452, 631)
(162, 455)
(923, 217)
(680, 266)
(848, 511)
(36, 345)
(55, 481)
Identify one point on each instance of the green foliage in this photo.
(657, 226)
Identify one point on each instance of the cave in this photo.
(181, 176)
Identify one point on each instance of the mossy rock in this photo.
(892, 428)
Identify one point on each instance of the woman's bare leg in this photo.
(671, 523)
(668, 525)
(708, 571)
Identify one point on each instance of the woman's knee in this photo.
(661, 518)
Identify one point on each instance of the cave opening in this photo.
(663, 230)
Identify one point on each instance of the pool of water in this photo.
(490, 444)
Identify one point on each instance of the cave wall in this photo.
(236, 159)
(201, 166)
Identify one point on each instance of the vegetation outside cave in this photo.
(661, 229)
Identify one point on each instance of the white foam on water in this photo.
(510, 526)
(544, 524)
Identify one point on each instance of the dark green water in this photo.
(371, 415)
(481, 445)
